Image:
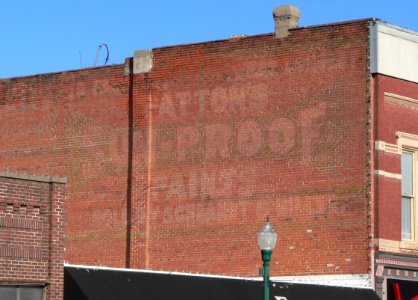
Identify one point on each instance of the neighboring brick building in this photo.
(175, 158)
(395, 136)
(31, 237)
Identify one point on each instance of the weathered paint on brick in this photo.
(176, 168)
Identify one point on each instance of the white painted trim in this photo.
(387, 147)
(374, 49)
(393, 51)
(388, 174)
(403, 98)
(388, 245)
(347, 280)
(397, 31)
(407, 139)
(159, 272)
(343, 280)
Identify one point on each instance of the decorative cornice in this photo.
(394, 262)
(401, 100)
(407, 139)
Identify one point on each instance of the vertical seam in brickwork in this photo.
(50, 240)
(128, 260)
(149, 178)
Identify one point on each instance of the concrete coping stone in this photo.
(33, 177)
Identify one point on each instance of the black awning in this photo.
(104, 284)
(317, 292)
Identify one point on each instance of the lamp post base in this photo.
(266, 257)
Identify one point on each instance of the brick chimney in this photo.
(285, 17)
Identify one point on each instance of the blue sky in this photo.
(41, 36)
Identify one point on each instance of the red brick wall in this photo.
(75, 125)
(393, 117)
(177, 168)
(31, 232)
(245, 128)
(390, 118)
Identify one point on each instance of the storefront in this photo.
(396, 277)
(88, 283)
(402, 289)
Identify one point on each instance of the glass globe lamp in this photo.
(267, 237)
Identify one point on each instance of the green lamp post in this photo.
(266, 242)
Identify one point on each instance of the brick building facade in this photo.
(31, 237)
(174, 158)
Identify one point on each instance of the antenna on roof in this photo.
(98, 52)
(81, 60)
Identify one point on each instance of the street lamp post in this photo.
(266, 242)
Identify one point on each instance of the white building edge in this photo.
(393, 51)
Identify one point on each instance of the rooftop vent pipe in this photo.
(285, 17)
